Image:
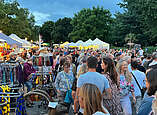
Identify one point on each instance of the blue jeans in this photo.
(29, 85)
(126, 105)
(136, 106)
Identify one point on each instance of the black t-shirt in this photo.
(141, 68)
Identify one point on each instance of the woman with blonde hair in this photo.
(83, 69)
(90, 99)
(125, 87)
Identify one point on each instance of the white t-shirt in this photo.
(100, 113)
(141, 52)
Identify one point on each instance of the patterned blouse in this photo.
(125, 87)
(113, 105)
(61, 81)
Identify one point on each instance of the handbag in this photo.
(143, 90)
(68, 98)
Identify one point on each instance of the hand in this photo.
(134, 100)
(73, 94)
(58, 91)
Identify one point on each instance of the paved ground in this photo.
(37, 109)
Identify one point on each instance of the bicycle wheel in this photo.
(45, 93)
(39, 102)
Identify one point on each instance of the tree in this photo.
(35, 33)
(90, 24)
(61, 30)
(144, 17)
(46, 30)
(14, 19)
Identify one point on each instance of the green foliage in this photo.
(56, 31)
(46, 30)
(62, 30)
(90, 24)
(140, 19)
(14, 19)
(150, 49)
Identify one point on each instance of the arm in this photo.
(76, 101)
(57, 81)
(107, 93)
(133, 95)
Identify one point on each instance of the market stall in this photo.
(10, 41)
(24, 43)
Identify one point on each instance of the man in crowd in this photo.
(153, 64)
(139, 77)
(93, 77)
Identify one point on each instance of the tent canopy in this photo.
(18, 39)
(80, 42)
(9, 40)
(101, 44)
(1, 40)
(88, 42)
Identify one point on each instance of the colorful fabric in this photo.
(61, 82)
(4, 109)
(20, 108)
(125, 87)
(113, 105)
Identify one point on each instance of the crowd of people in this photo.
(100, 82)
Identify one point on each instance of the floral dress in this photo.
(125, 86)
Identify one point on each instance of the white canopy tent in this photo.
(89, 42)
(72, 44)
(22, 41)
(80, 42)
(101, 44)
(97, 44)
(1, 40)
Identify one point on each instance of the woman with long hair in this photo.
(148, 106)
(90, 99)
(113, 103)
(83, 69)
(125, 87)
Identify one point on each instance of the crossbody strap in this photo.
(136, 81)
(66, 80)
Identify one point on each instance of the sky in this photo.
(46, 10)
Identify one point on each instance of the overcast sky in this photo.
(45, 10)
